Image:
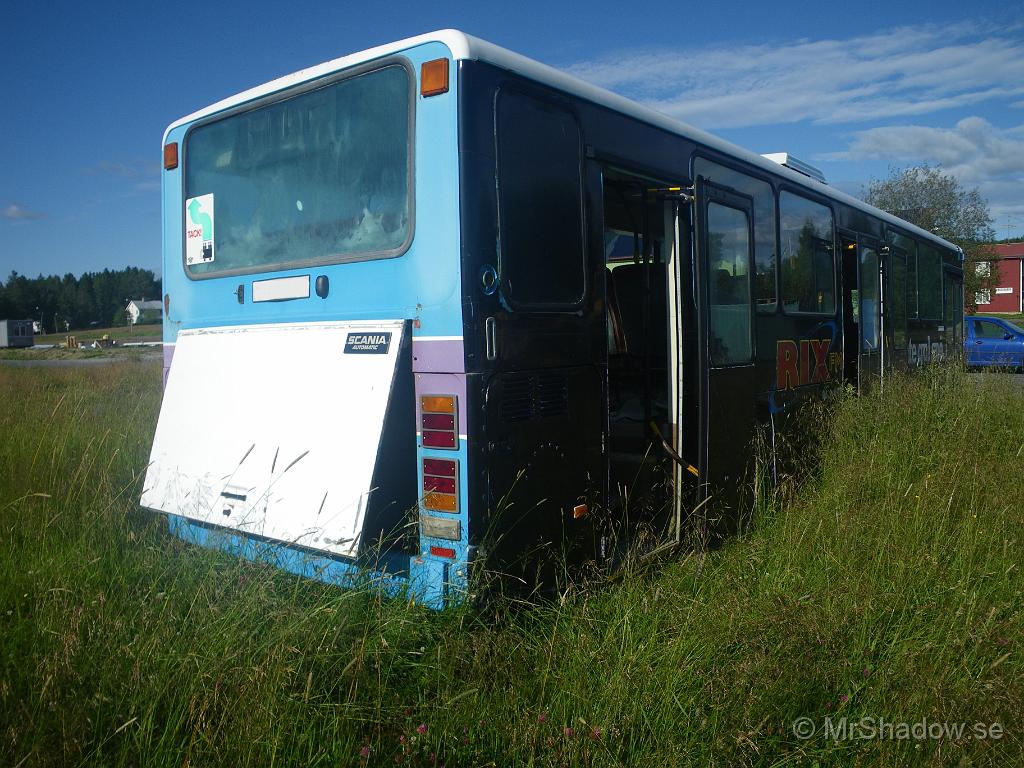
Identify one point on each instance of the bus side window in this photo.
(909, 246)
(929, 280)
(808, 267)
(728, 285)
(540, 203)
(897, 311)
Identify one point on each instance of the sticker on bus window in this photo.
(199, 230)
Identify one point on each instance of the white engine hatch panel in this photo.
(274, 430)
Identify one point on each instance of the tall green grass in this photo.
(887, 585)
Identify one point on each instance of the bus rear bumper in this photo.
(434, 583)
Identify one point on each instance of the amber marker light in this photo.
(434, 77)
(171, 156)
(441, 502)
(437, 404)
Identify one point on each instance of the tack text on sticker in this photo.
(199, 230)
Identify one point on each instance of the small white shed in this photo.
(16, 333)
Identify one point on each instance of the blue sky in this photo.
(855, 88)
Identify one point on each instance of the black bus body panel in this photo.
(546, 459)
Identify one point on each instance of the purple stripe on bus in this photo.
(430, 355)
(168, 356)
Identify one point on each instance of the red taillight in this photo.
(432, 439)
(440, 467)
(439, 421)
(441, 485)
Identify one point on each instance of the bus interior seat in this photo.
(629, 436)
(616, 340)
(628, 292)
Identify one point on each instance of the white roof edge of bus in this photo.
(457, 42)
(463, 46)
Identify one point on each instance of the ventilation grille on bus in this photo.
(537, 396)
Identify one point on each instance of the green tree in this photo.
(93, 298)
(939, 203)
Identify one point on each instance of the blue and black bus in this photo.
(435, 304)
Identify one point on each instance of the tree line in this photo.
(73, 303)
(937, 202)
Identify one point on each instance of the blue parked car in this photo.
(993, 341)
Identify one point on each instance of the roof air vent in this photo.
(795, 164)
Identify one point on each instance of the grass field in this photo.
(62, 353)
(886, 586)
(122, 334)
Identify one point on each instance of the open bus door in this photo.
(871, 284)
(652, 409)
(866, 339)
(684, 369)
(725, 360)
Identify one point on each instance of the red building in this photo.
(1009, 295)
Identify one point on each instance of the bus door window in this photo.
(763, 199)
(851, 310)
(870, 304)
(729, 325)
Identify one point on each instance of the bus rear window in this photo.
(323, 176)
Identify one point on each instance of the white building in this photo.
(144, 311)
(16, 333)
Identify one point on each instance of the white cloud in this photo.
(895, 73)
(977, 153)
(15, 212)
